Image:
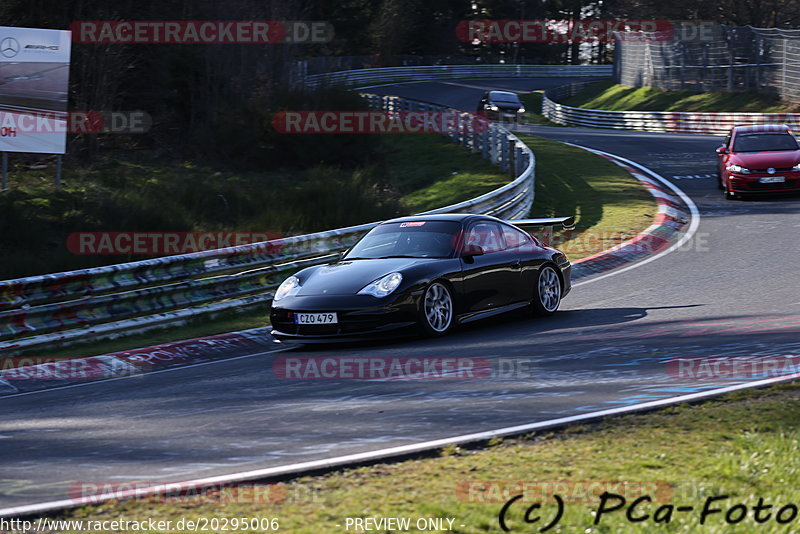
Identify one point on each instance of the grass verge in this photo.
(608, 96)
(533, 109)
(743, 446)
(430, 171)
(609, 204)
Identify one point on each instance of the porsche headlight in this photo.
(738, 169)
(521, 110)
(796, 168)
(495, 108)
(288, 287)
(382, 286)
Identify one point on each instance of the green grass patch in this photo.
(431, 171)
(609, 204)
(133, 192)
(533, 109)
(608, 96)
(743, 445)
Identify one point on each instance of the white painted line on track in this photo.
(342, 461)
(693, 225)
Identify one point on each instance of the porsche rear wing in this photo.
(545, 226)
(567, 222)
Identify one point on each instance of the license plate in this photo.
(315, 318)
(772, 179)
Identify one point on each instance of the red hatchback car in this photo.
(759, 158)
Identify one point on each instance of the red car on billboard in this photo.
(759, 158)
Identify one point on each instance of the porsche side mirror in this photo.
(722, 150)
(472, 250)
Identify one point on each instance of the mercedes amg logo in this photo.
(9, 47)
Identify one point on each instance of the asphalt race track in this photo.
(731, 291)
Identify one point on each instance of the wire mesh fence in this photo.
(718, 58)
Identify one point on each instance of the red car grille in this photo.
(752, 185)
(777, 169)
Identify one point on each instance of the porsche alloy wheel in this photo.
(437, 309)
(548, 291)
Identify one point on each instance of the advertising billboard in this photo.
(34, 78)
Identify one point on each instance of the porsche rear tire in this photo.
(547, 293)
(437, 310)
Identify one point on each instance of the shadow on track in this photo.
(501, 325)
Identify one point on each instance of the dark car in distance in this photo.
(430, 272)
(759, 159)
(502, 106)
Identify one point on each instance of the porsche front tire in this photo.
(437, 310)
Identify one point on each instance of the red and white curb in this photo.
(675, 211)
(25, 375)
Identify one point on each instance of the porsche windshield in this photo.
(764, 142)
(413, 239)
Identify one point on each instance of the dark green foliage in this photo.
(125, 197)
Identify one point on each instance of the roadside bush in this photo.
(307, 150)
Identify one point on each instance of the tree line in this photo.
(215, 100)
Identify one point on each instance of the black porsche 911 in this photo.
(431, 272)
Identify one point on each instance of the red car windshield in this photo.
(763, 142)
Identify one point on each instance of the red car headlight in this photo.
(738, 169)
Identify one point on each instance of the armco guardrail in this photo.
(653, 121)
(63, 307)
(453, 72)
